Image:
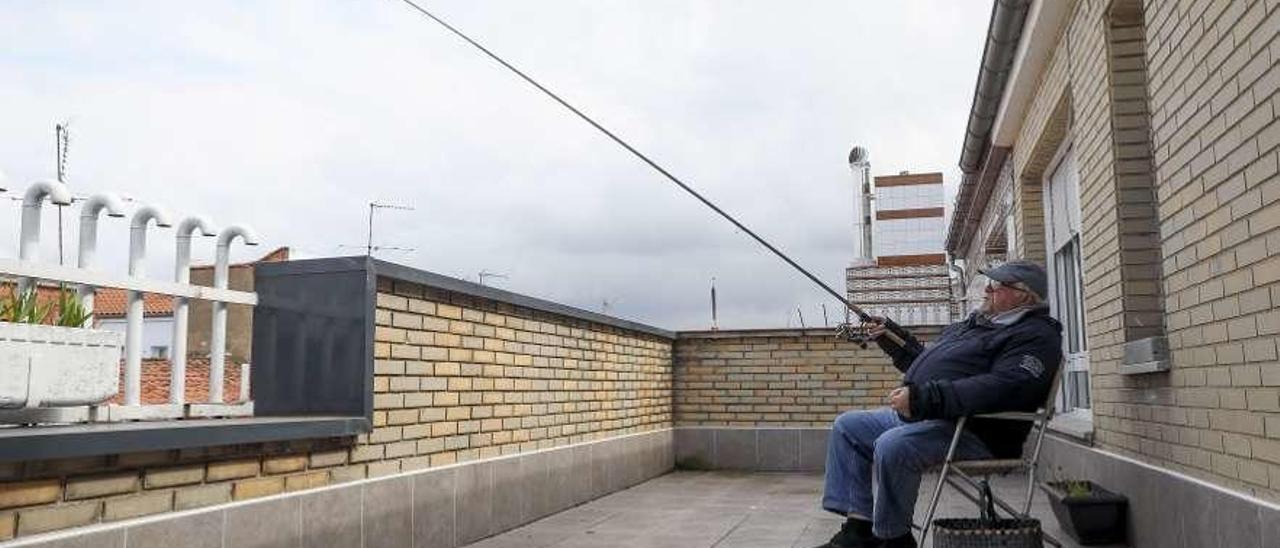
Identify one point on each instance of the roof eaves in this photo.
(1003, 34)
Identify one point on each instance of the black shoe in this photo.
(904, 541)
(855, 533)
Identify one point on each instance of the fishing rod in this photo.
(862, 315)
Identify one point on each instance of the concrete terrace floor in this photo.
(724, 510)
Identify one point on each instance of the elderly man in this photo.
(1001, 358)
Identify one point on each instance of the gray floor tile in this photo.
(696, 509)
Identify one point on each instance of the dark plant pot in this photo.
(1096, 518)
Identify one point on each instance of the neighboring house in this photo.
(908, 279)
(1132, 148)
(110, 307)
(239, 318)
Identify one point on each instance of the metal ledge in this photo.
(80, 440)
(409, 274)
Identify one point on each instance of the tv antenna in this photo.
(369, 248)
(62, 133)
(486, 274)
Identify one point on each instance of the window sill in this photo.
(80, 440)
(1075, 425)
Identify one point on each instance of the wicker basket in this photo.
(987, 533)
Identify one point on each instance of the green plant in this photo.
(1076, 488)
(71, 312)
(24, 307)
(1071, 487)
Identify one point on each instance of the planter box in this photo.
(50, 366)
(1099, 517)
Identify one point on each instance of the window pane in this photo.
(1080, 389)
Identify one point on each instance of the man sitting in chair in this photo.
(1001, 358)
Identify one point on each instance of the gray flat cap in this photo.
(1027, 272)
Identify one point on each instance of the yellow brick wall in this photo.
(456, 379)
(777, 377)
(1213, 75)
(1211, 78)
(459, 378)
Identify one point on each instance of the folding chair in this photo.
(960, 474)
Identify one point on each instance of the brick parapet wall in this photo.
(777, 377)
(457, 379)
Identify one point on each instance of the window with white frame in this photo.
(1066, 297)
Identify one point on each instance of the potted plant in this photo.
(48, 358)
(1088, 512)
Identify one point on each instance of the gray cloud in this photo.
(291, 116)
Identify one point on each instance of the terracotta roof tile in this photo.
(113, 303)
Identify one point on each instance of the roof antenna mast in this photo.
(62, 132)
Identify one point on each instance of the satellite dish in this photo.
(858, 155)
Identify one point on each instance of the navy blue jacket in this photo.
(977, 366)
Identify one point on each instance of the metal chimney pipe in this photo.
(29, 237)
(89, 213)
(221, 278)
(860, 164)
(133, 333)
(182, 275)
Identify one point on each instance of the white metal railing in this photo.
(27, 269)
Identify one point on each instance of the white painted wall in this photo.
(157, 332)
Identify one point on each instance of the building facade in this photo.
(908, 280)
(1131, 148)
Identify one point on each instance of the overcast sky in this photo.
(291, 116)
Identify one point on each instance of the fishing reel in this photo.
(857, 333)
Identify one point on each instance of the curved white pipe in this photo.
(29, 240)
(29, 237)
(182, 275)
(221, 275)
(133, 334)
(89, 213)
(186, 229)
(223, 260)
(138, 234)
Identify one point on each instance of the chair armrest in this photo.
(1012, 415)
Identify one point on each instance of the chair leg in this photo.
(942, 480)
(1031, 489)
(933, 502)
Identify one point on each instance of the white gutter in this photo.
(1045, 22)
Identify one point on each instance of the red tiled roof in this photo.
(155, 381)
(113, 303)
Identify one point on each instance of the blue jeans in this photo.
(878, 444)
